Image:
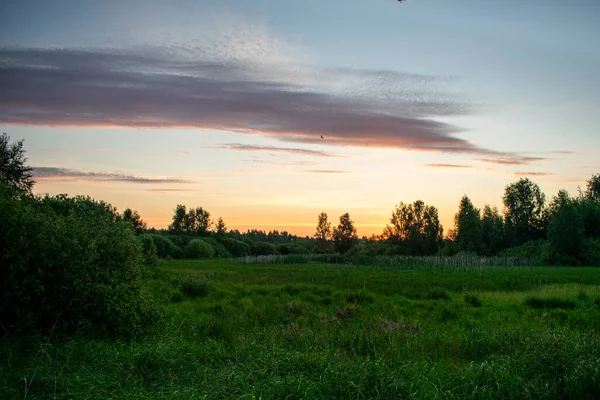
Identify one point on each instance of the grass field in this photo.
(318, 331)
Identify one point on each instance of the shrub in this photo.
(220, 250)
(262, 249)
(592, 252)
(198, 248)
(165, 247)
(70, 263)
(193, 286)
(149, 256)
(237, 248)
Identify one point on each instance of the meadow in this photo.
(315, 330)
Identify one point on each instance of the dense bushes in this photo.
(69, 263)
(237, 248)
(198, 248)
(165, 248)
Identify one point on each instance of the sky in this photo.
(268, 112)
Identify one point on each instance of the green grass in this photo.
(319, 331)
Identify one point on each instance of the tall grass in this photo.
(397, 262)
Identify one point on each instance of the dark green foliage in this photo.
(533, 249)
(592, 192)
(193, 286)
(467, 227)
(198, 248)
(220, 250)
(70, 262)
(566, 235)
(236, 248)
(165, 248)
(15, 174)
(323, 235)
(524, 212)
(344, 235)
(262, 249)
(492, 231)
(592, 252)
(136, 221)
(550, 303)
(473, 300)
(149, 252)
(415, 228)
(195, 221)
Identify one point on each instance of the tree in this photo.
(417, 227)
(136, 221)
(221, 229)
(467, 226)
(14, 172)
(323, 234)
(492, 231)
(202, 222)
(179, 217)
(592, 192)
(566, 235)
(524, 211)
(344, 235)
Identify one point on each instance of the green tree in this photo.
(467, 226)
(524, 211)
(14, 172)
(344, 235)
(492, 231)
(202, 222)
(592, 192)
(221, 228)
(566, 235)
(178, 224)
(323, 234)
(417, 227)
(136, 221)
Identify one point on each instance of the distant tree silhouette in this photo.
(492, 231)
(524, 211)
(220, 229)
(344, 235)
(566, 234)
(178, 224)
(323, 234)
(592, 192)
(417, 227)
(15, 174)
(467, 227)
(202, 222)
(136, 221)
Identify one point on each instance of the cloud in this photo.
(511, 160)
(50, 173)
(173, 87)
(533, 174)
(170, 190)
(447, 166)
(326, 171)
(71, 149)
(273, 149)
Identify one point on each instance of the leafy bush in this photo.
(262, 249)
(193, 286)
(237, 248)
(592, 252)
(149, 255)
(533, 248)
(165, 247)
(220, 250)
(70, 263)
(198, 248)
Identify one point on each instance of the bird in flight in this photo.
(322, 137)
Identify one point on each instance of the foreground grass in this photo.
(330, 331)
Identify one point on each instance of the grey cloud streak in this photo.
(153, 88)
(46, 173)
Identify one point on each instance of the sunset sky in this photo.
(222, 104)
